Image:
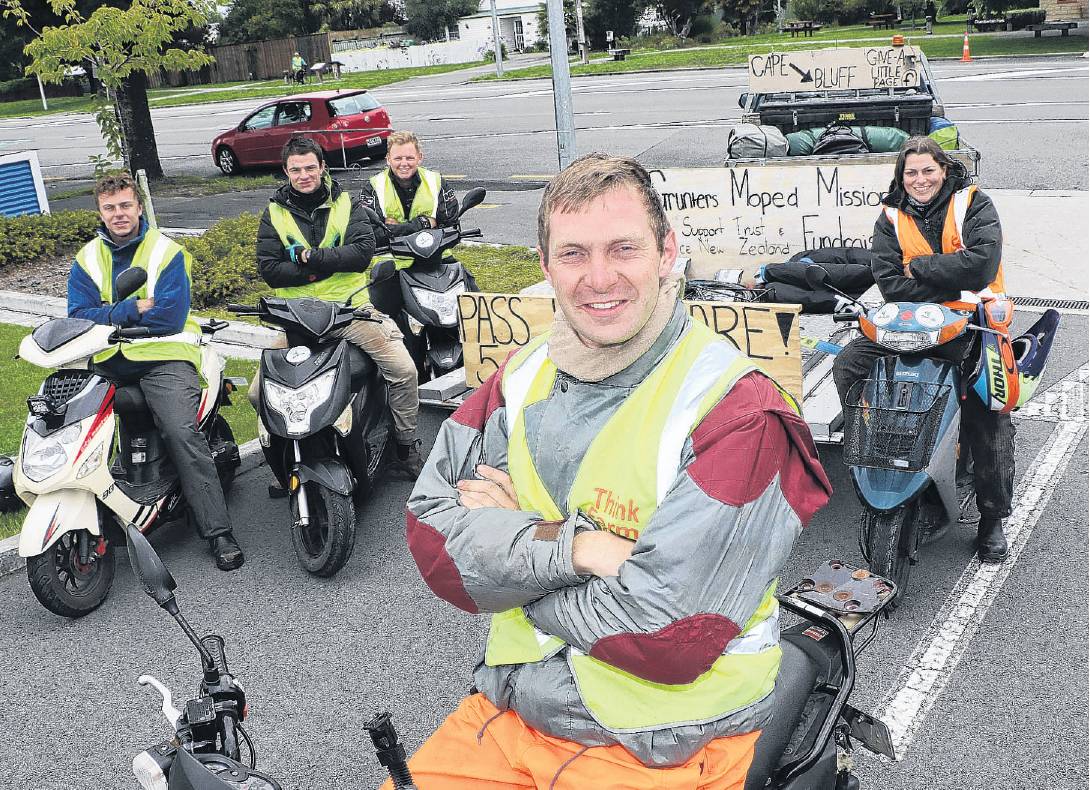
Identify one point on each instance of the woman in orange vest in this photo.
(938, 240)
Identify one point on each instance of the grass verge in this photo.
(20, 379)
(736, 51)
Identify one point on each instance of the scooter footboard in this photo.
(54, 514)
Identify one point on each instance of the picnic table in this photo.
(802, 27)
(1063, 27)
(619, 54)
(878, 21)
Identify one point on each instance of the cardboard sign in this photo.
(491, 326)
(742, 217)
(835, 69)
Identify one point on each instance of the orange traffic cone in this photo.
(965, 56)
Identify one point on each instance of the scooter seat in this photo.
(129, 400)
(794, 684)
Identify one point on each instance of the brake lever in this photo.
(172, 714)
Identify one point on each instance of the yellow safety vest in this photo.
(153, 255)
(338, 286)
(425, 204)
(651, 425)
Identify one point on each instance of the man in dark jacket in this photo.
(315, 241)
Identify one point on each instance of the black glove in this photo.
(424, 222)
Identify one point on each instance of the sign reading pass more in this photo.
(491, 326)
(834, 69)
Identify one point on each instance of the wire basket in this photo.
(716, 291)
(892, 424)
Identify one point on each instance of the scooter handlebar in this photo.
(845, 318)
(243, 309)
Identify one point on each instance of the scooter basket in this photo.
(892, 424)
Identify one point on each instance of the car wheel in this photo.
(227, 161)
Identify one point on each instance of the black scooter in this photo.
(323, 424)
(428, 316)
(809, 742)
(205, 751)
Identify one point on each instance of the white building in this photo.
(518, 25)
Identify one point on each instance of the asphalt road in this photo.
(994, 667)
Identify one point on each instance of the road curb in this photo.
(250, 458)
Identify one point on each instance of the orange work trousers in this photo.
(511, 756)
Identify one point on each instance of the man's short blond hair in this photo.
(402, 138)
(112, 183)
(589, 178)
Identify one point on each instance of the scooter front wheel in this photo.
(325, 542)
(64, 583)
(889, 542)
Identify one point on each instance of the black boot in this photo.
(991, 543)
(408, 460)
(227, 552)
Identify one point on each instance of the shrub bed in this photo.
(1021, 18)
(36, 236)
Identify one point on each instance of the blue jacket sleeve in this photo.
(85, 301)
(171, 300)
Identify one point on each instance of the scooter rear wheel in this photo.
(889, 543)
(325, 543)
(66, 586)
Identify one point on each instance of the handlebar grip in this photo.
(241, 308)
(844, 318)
(214, 644)
(133, 332)
(474, 233)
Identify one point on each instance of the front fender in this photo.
(55, 513)
(328, 473)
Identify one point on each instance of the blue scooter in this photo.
(901, 430)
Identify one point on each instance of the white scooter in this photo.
(63, 471)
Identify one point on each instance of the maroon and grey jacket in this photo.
(750, 481)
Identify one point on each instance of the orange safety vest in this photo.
(913, 244)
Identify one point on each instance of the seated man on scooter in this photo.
(314, 241)
(408, 198)
(164, 365)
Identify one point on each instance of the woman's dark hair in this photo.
(921, 144)
(300, 146)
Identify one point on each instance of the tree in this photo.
(122, 46)
(259, 20)
(428, 20)
(620, 16)
(353, 14)
(679, 14)
(742, 14)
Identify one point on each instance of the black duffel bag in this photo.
(839, 140)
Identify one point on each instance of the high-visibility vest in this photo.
(338, 286)
(152, 255)
(651, 425)
(425, 203)
(913, 244)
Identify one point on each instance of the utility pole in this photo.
(584, 50)
(558, 51)
(496, 40)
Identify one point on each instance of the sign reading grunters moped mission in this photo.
(742, 217)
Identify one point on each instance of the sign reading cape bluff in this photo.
(491, 326)
(835, 69)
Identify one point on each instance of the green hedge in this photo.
(1021, 18)
(35, 236)
(224, 264)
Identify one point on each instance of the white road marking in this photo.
(1074, 71)
(938, 653)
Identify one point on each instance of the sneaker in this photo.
(407, 459)
(227, 552)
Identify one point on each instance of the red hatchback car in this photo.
(349, 125)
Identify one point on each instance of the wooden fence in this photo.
(259, 60)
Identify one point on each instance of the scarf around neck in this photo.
(580, 361)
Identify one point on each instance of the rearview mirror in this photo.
(817, 276)
(743, 100)
(129, 282)
(472, 198)
(149, 569)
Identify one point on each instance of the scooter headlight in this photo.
(296, 405)
(907, 342)
(44, 456)
(91, 463)
(930, 316)
(885, 315)
(444, 305)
